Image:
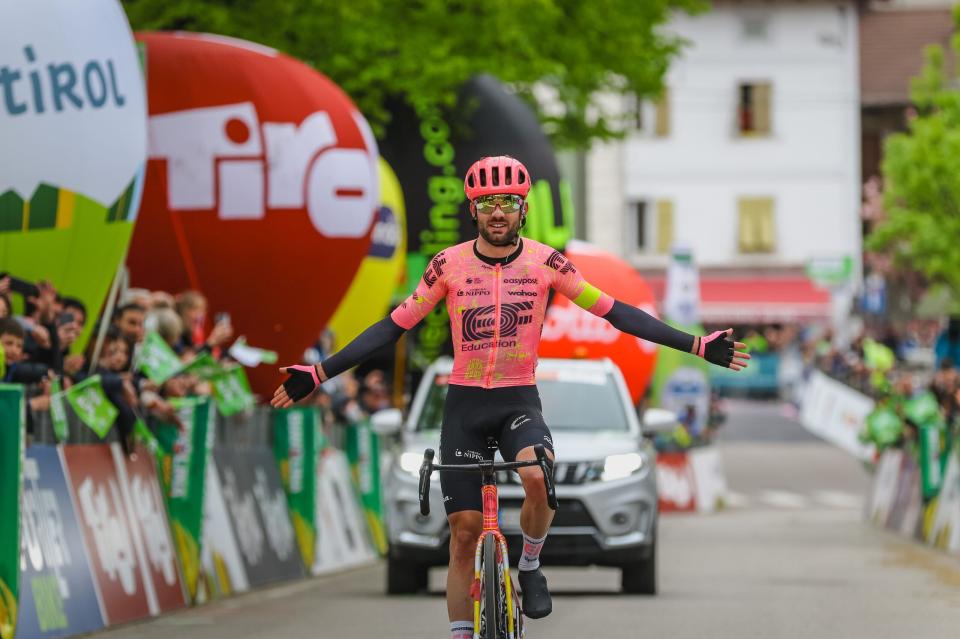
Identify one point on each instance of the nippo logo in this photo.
(224, 158)
(261, 191)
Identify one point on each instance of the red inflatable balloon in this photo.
(570, 331)
(261, 189)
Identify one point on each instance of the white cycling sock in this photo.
(530, 558)
(461, 630)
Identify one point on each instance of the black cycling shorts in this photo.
(512, 415)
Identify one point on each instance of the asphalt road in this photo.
(789, 558)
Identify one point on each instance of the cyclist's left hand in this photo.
(720, 349)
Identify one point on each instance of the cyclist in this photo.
(496, 291)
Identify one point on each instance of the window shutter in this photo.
(664, 225)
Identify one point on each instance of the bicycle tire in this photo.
(493, 620)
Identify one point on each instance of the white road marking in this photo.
(838, 499)
(783, 499)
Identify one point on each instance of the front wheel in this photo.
(640, 577)
(493, 593)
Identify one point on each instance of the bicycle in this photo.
(496, 609)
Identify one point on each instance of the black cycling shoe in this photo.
(536, 597)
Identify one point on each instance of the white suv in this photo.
(605, 477)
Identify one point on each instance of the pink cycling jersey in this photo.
(497, 309)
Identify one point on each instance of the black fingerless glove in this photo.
(717, 349)
(303, 380)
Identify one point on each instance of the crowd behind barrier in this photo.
(153, 480)
(894, 401)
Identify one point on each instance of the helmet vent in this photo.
(483, 177)
(495, 181)
(470, 181)
(521, 177)
(507, 175)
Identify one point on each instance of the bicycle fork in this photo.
(491, 526)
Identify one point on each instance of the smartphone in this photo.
(222, 318)
(66, 317)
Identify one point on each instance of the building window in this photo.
(652, 226)
(664, 226)
(653, 118)
(753, 109)
(757, 228)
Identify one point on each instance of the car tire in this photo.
(405, 577)
(640, 577)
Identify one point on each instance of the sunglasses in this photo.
(507, 203)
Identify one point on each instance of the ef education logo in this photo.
(478, 323)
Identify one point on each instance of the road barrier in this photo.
(196, 514)
(691, 480)
(836, 413)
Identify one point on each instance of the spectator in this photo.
(129, 320)
(948, 342)
(168, 324)
(6, 307)
(192, 307)
(17, 370)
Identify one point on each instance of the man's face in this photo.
(12, 347)
(498, 218)
(131, 325)
(115, 355)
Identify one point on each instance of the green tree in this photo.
(921, 172)
(426, 49)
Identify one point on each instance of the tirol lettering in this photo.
(102, 509)
(478, 323)
(58, 86)
(273, 511)
(215, 153)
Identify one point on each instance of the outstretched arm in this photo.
(304, 380)
(717, 348)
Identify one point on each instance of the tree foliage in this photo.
(921, 171)
(570, 50)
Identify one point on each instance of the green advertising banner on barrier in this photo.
(295, 448)
(363, 452)
(183, 464)
(13, 422)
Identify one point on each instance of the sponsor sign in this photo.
(257, 506)
(945, 530)
(709, 479)
(363, 452)
(153, 541)
(837, 413)
(341, 530)
(59, 596)
(183, 462)
(884, 487)
(13, 419)
(676, 485)
(295, 449)
(906, 483)
(92, 406)
(224, 572)
(108, 533)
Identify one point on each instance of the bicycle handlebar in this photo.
(427, 468)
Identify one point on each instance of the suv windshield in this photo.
(572, 400)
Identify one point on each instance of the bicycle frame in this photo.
(491, 523)
(491, 526)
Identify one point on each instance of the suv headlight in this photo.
(620, 466)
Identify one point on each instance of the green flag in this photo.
(92, 406)
(58, 412)
(203, 366)
(157, 360)
(13, 422)
(183, 463)
(232, 391)
(295, 448)
(363, 452)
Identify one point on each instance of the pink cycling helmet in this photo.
(496, 175)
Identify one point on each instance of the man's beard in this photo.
(507, 239)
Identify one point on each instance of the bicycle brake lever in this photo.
(426, 469)
(546, 465)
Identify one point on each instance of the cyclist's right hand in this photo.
(302, 381)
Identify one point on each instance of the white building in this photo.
(752, 160)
